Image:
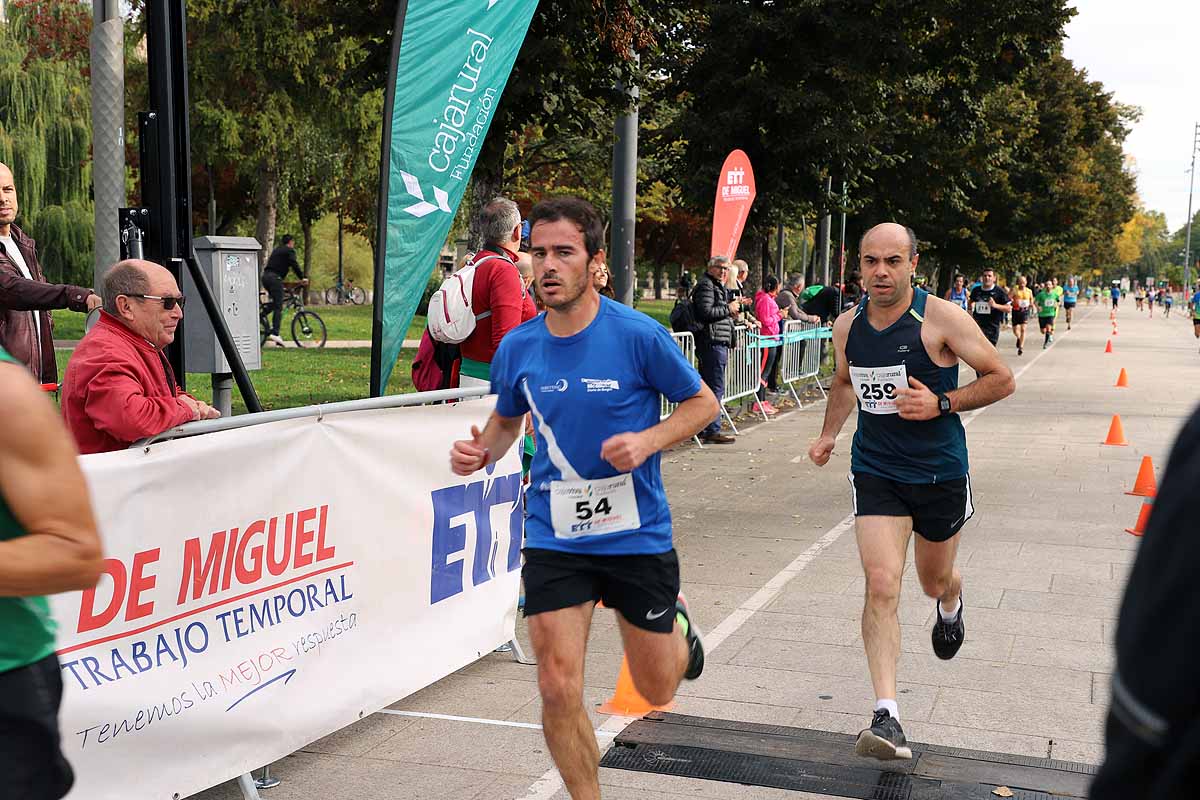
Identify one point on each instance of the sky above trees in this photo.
(1145, 55)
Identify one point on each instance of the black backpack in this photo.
(683, 317)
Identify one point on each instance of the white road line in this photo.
(546, 786)
(504, 723)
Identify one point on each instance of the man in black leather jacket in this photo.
(715, 312)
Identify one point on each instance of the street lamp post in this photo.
(1187, 248)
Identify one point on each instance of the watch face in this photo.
(944, 404)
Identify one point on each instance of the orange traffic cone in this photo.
(1143, 518)
(626, 702)
(1123, 380)
(1145, 485)
(1108, 347)
(1116, 434)
(1114, 333)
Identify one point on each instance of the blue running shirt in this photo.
(582, 390)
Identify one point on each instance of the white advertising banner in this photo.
(269, 585)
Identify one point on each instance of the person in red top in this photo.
(119, 386)
(766, 308)
(498, 292)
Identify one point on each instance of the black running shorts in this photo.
(1019, 317)
(642, 587)
(1068, 304)
(1045, 323)
(938, 510)
(32, 766)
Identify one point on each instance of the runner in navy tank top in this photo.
(897, 360)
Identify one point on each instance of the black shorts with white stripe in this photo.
(938, 510)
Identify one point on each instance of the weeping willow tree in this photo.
(45, 137)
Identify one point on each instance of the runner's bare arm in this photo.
(487, 446)
(841, 400)
(964, 338)
(44, 489)
(627, 451)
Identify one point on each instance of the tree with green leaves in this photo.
(44, 133)
(267, 72)
(888, 96)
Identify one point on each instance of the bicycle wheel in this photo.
(308, 329)
(331, 295)
(358, 295)
(264, 329)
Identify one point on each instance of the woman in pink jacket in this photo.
(769, 314)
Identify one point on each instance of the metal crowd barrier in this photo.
(743, 371)
(802, 357)
(687, 343)
(319, 411)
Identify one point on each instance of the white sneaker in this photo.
(275, 339)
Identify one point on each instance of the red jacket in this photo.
(497, 288)
(119, 388)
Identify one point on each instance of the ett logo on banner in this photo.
(735, 195)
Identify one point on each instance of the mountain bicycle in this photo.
(345, 292)
(308, 329)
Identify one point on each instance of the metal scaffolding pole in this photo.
(1187, 248)
(824, 233)
(624, 202)
(108, 131)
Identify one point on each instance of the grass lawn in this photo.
(292, 377)
(344, 323)
(68, 324)
(658, 309)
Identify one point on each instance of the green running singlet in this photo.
(26, 628)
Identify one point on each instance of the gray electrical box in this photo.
(231, 265)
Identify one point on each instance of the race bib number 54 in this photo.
(876, 387)
(590, 508)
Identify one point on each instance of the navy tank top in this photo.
(880, 362)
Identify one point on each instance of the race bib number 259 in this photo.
(876, 387)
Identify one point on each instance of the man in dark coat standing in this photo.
(25, 297)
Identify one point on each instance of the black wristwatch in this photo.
(944, 405)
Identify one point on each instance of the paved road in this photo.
(770, 565)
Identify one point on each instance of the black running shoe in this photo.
(695, 644)
(884, 739)
(948, 636)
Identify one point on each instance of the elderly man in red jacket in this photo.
(25, 297)
(119, 386)
(498, 295)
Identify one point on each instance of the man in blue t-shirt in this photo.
(598, 527)
(1194, 307)
(1069, 298)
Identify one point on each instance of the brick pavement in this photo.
(1044, 561)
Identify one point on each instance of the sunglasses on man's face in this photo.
(168, 303)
